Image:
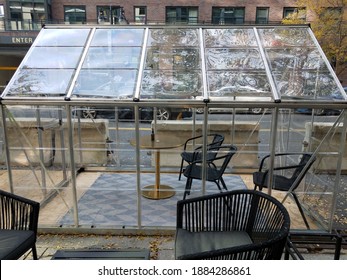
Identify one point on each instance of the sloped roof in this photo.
(269, 63)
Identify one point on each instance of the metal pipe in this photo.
(72, 164)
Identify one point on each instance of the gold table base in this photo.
(153, 192)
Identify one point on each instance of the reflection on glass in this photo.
(112, 57)
(172, 58)
(172, 66)
(226, 83)
(233, 59)
(118, 37)
(62, 37)
(308, 84)
(284, 36)
(171, 84)
(229, 38)
(173, 37)
(41, 82)
(53, 57)
(295, 58)
(105, 83)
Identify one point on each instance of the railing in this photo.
(20, 25)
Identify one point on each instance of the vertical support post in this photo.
(62, 143)
(273, 139)
(7, 149)
(138, 164)
(40, 143)
(338, 169)
(72, 163)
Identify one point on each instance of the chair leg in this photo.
(187, 188)
(34, 252)
(223, 184)
(181, 170)
(300, 209)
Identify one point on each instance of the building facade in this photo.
(21, 20)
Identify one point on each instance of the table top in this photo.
(100, 254)
(160, 142)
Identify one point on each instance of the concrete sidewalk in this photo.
(161, 247)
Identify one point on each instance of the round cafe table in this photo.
(158, 190)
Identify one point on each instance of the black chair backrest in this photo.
(304, 165)
(264, 218)
(231, 150)
(304, 160)
(216, 142)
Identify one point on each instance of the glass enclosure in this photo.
(78, 115)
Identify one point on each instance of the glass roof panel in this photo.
(215, 38)
(168, 37)
(118, 37)
(62, 37)
(234, 64)
(227, 62)
(173, 64)
(38, 82)
(105, 83)
(112, 57)
(282, 36)
(171, 84)
(297, 65)
(53, 57)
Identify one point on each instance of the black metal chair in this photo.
(238, 225)
(214, 169)
(18, 226)
(196, 154)
(287, 174)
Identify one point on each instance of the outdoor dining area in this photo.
(194, 132)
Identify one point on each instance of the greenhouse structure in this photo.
(76, 116)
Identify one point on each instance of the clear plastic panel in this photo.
(285, 36)
(38, 82)
(112, 57)
(173, 37)
(62, 37)
(105, 83)
(227, 83)
(118, 37)
(171, 84)
(229, 38)
(173, 65)
(53, 57)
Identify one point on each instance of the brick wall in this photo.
(156, 8)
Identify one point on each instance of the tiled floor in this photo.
(112, 200)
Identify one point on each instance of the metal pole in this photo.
(72, 163)
(138, 164)
(40, 143)
(273, 138)
(7, 150)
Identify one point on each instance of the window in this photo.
(108, 14)
(140, 14)
(228, 15)
(262, 15)
(298, 13)
(27, 15)
(75, 14)
(181, 14)
(2, 14)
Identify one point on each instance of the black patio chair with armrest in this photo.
(238, 225)
(18, 226)
(288, 182)
(214, 170)
(196, 154)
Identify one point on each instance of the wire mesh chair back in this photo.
(264, 218)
